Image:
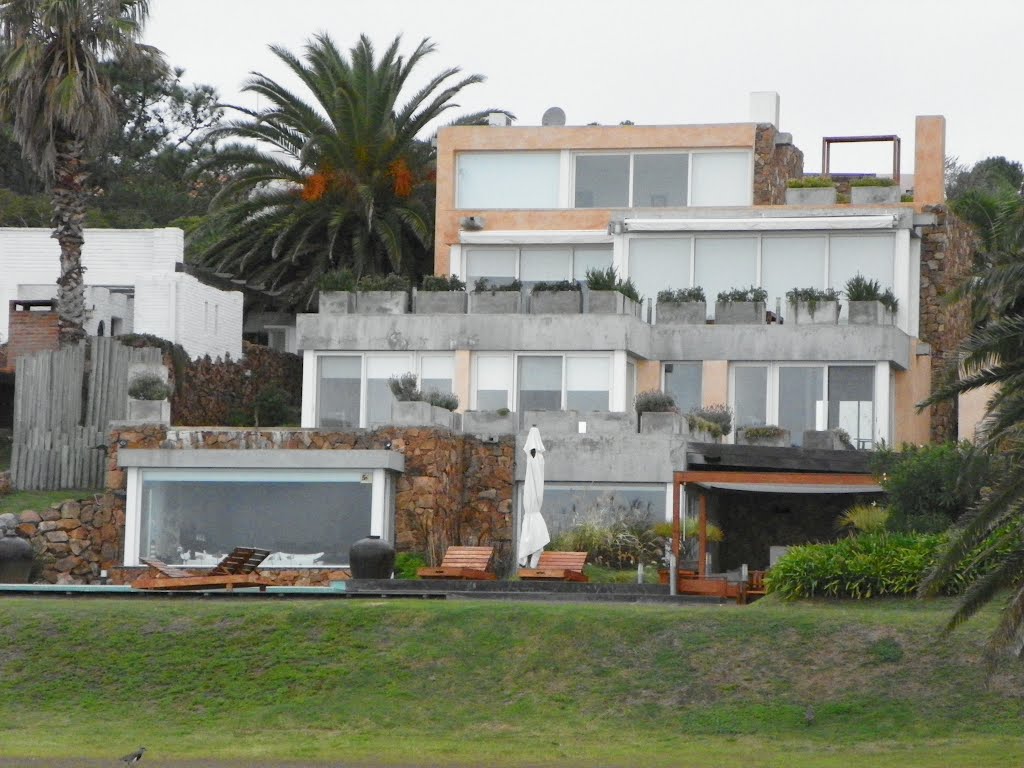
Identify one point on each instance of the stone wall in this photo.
(774, 164)
(947, 253)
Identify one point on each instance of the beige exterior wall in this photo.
(930, 161)
(715, 384)
(972, 407)
(911, 387)
(648, 376)
(461, 375)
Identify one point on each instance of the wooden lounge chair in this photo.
(713, 586)
(462, 563)
(235, 570)
(557, 566)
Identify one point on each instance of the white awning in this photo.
(528, 237)
(790, 488)
(763, 224)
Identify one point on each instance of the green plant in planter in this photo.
(447, 400)
(391, 282)
(654, 401)
(149, 386)
(337, 280)
(750, 294)
(889, 300)
(767, 432)
(873, 181)
(807, 182)
(405, 387)
(609, 280)
(682, 296)
(557, 285)
(860, 288)
(812, 297)
(906, 198)
(716, 420)
(433, 283)
(482, 284)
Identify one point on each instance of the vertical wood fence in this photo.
(61, 420)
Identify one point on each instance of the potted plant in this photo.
(439, 295)
(868, 303)
(709, 423)
(873, 190)
(148, 402)
(811, 190)
(657, 412)
(414, 408)
(684, 306)
(741, 306)
(382, 294)
(490, 298)
(337, 292)
(560, 297)
(814, 306)
(689, 544)
(765, 435)
(608, 294)
(835, 439)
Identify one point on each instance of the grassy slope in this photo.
(40, 500)
(474, 683)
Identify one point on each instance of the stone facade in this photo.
(774, 165)
(947, 249)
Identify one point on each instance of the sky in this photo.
(841, 68)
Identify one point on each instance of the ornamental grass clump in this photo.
(435, 283)
(337, 280)
(812, 297)
(863, 518)
(149, 386)
(873, 181)
(609, 280)
(860, 288)
(482, 285)
(751, 294)
(557, 285)
(682, 296)
(406, 390)
(654, 401)
(389, 282)
(716, 420)
(810, 182)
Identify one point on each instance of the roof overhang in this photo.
(780, 482)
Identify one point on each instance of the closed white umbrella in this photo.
(533, 534)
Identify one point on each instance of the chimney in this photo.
(764, 107)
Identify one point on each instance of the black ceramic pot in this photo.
(371, 558)
(15, 560)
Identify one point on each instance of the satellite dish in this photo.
(553, 116)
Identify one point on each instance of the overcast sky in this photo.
(841, 68)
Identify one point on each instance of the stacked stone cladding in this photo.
(774, 165)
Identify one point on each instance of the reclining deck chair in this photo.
(557, 566)
(462, 563)
(237, 569)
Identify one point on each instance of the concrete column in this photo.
(883, 403)
(618, 381)
(309, 382)
(930, 160)
(461, 376)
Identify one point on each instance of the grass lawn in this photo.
(404, 682)
(37, 501)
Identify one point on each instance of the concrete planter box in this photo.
(439, 302)
(554, 422)
(609, 422)
(610, 303)
(739, 313)
(419, 414)
(687, 313)
(783, 440)
(555, 303)
(149, 411)
(825, 313)
(868, 313)
(827, 440)
(494, 303)
(489, 423)
(811, 196)
(337, 302)
(660, 423)
(874, 195)
(382, 302)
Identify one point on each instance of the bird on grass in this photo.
(809, 716)
(134, 757)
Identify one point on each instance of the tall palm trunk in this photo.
(69, 198)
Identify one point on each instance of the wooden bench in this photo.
(557, 566)
(462, 563)
(755, 584)
(713, 586)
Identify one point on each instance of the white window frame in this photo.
(513, 404)
(464, 255)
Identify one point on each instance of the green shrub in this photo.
(744, 294)
(873, 181)
(766, 432)
(338, 280)
(483, 284)
(441, 283)
(408, 563)
(864, 518)
(619, 537)
(889, 300)
(447, 400)
(273, 408)
(654, 401)
(682, 296)
(906, 198)
(810, 182)
(557, 285)
(860, 288)
(609, 280)
(391, 282)
(842, 198)
(714, 419)
(811, 296)
(149, 386)
(405, 387)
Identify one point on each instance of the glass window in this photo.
(540, 383)
(791, 262)
(498, 265)
(602, 181)
(659, 180)
(568, 506)
(801, 404)
(436, 373)
(684, 381)
(721, 263)
(339, 391)
(508, 180)
(586, 383)
(590, 257)
(750, 395)
(870, 255)
(721, 178)
(493, 382)
(545, 264)
(851, 402)
(380, 368)
(308, 518)
(659, 264)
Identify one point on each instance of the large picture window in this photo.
(508, 180)
(541, 382)
(568, 506)
(502, 264)
(684, 382)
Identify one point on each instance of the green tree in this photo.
(340, 176)
(61, 104)
(993, 355)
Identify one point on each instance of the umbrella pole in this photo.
(702, 552)
(673, 560)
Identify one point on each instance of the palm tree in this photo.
(337, 178)
(993, 355)
(54, 89)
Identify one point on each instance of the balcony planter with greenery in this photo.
(382, 295)
(440, 296)
(413, 408)
(685, 306)
(499, 422)
(769, 435)
(337, 293)
(811, 190)
(556, 298)
(828, 440)
(658, 413)
(148, 401)
(868, 303)
(814, 306)
(741, 306)
(709, 423)
(608, 294)
(490, 298)
(874, 191)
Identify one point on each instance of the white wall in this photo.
(112, 257)
(102, 305)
